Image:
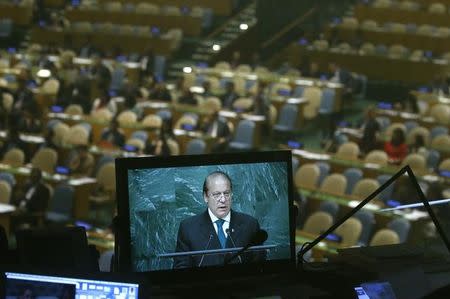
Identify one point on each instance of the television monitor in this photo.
(62, 286)
(166, 208)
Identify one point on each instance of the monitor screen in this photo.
(169, 208)
(18, 284)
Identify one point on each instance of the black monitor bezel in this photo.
(123, 238)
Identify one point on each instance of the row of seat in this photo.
(371, 25)
(357, 230)
(435, 8)
(145, 8)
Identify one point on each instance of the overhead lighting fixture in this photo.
(187, 70)
(216, 47)
(243, 26)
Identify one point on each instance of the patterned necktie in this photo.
(220, 233)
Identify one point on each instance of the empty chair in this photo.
(437, 8)
(350, 231)
(353, 175)
(243, 137)
(244, 68)
(50, 87)
(367, 49)
(369, 25)
(313, 96)
(349, 22)
(438, 131)
(318, 222)
(8, 101)
(330, 207)
(433, 158)
(364, 188)
(127, 118)
(307, 176)
(102, 161)
(287, 119)
(410, 125)
(77, 135)
(443, 31)
(45, 159)
(402, 227)
(222, 66)
(195, 147)
(376, 157)
(74, 109)
(442, 141)
(326, 106)
(113, 6)
(417, 163)
(5, 192)
(386, 194)
(324, 168)
(382, 3)
(425, 29)
(61, 204)
(102, 114)
(397, 51)
(367, 220)
(186, 119)
(147, 8)
(397, 27)
(142, 135)
(441, 113)
(321, 45)
(445, 165)
(348, 151)
(211, 104)
(384, 237)
(152, 121)
(14, 157)
(242, 104)
(335, 183)
(137, 143)
(9, 178)
(164, 114)
(408, 5)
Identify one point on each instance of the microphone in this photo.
(232, 241)
(257, 238)
(206, 248)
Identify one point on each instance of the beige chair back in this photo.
(307, 176)
(335, 183)
(445, 165)
(318, 222)
(106, 177)
(350, 231)
(376, 157)
(152, 121)
(14, 157)
(5, 192)
(348, 151)
(127, 118)
(365, 187)
(45, 159)
(74, 109)
(385, 236)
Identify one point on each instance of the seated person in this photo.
(113, 135)
(160, 146)
(80, 161)
(207, 89)
(229, 96)
(160, 93)
(31, 200)
(396, 148)
(29, 123)
(104, 101)
(216, 126)
(370, 129)
(187, 97)
(419, 147)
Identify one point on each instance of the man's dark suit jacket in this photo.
(198, 233)
(39, 200)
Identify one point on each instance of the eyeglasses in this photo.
(218, 195)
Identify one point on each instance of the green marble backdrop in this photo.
(161, 198)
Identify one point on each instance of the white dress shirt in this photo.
(225, 225)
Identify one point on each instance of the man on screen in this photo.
(218, 227)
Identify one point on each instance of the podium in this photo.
(216, 251)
